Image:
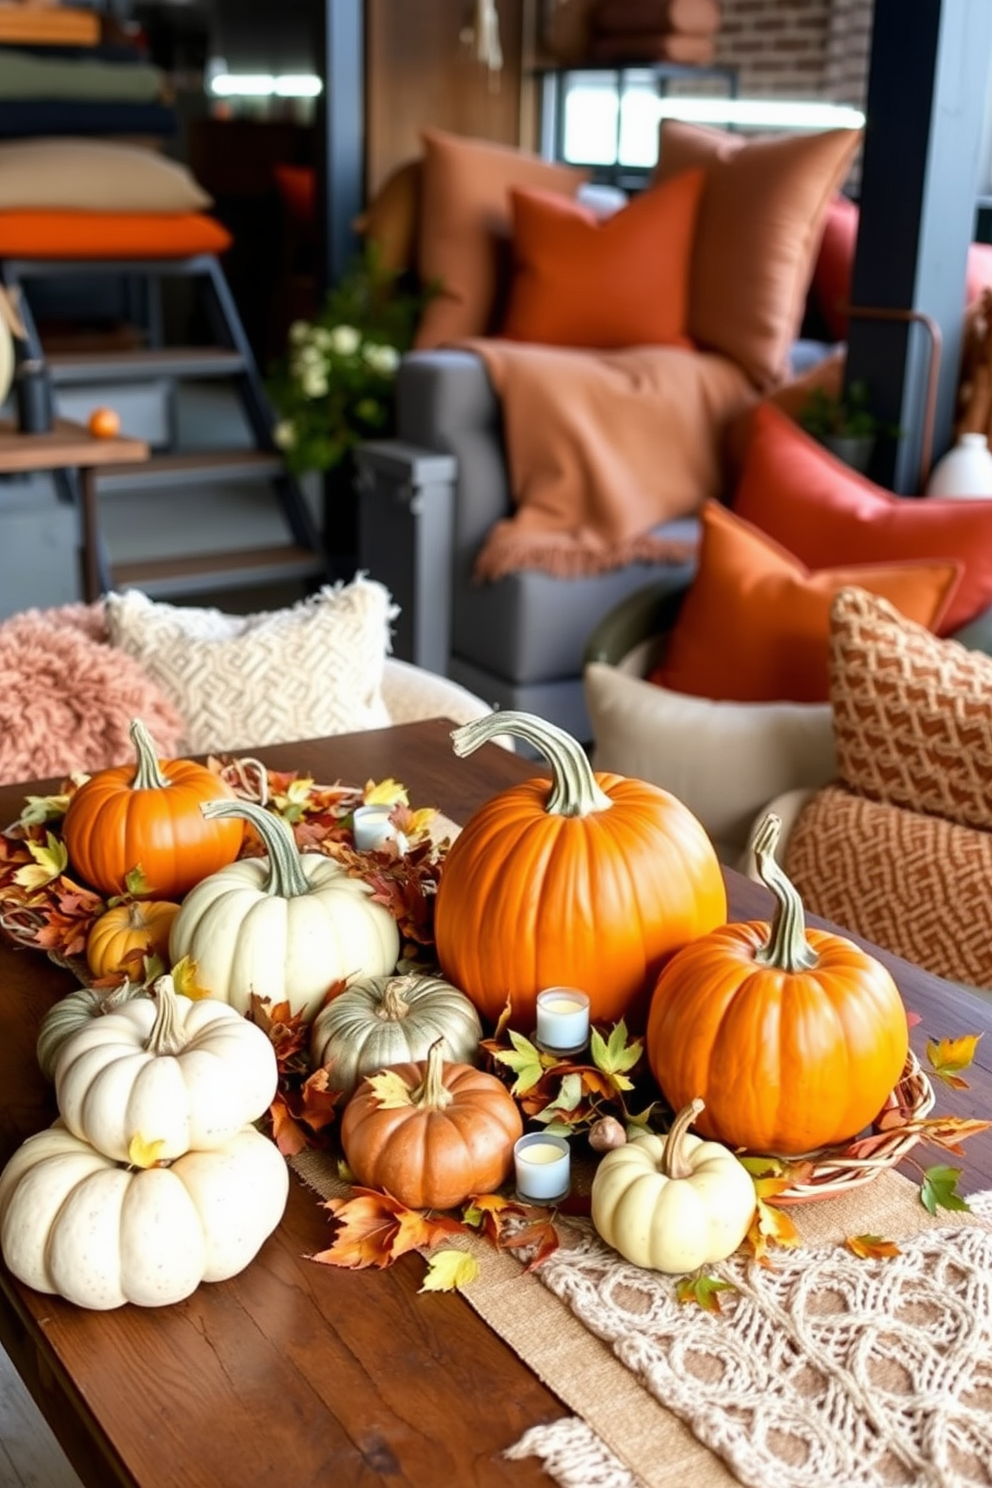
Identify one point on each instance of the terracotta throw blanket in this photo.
(602, 447)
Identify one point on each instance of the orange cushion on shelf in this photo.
(582, 280)
(755, 624)
(72, 235)
(827, 514)
(759, 227)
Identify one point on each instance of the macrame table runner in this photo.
(820, 1369)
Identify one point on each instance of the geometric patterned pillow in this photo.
(912, 714)
(914, 884)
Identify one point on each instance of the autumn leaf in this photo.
(526, 1061)
(448, 1270)
(287, 1031)
(40, 809)
(949, 1056)
(770, 1226)
(385, 793)
(374, 1229)
(703, 1291)
(287, 1133)
(390, 1090)
(487, 1213)
(950, 1131)
(537, 1233)
(144, 1154)
(136, 883)
(184, 979)
(871, 1247)
(614, 1056)
(50, 862)
(939, 1189)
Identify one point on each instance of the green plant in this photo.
(335, 384)
(846, 415)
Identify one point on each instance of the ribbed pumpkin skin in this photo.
(110, 828)
(786, 1061)
(529, 899)
(142, 925)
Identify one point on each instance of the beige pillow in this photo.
(723, 760)
(243, 680)
(91, 176)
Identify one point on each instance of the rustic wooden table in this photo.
(294, 1374)
(70, 446)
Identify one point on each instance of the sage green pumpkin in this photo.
(75, 1011)
(384, 1020)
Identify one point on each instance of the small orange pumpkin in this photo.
(590, 881)
(429, 1133)
(148, 816)
(140, 925)
(104, 423)
(793, 1037)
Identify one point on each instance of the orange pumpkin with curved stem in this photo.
(591, 881)
(148, 816)
(141, 925)
(794, 1038)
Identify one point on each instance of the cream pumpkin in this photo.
(100, 1233)
(169, 1070)
(285, 926)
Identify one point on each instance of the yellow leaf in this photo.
(447, 1270)
(144, 1154)
(871, 1247)
(389, 1090)
(185, 982)
(385, 793)
(420, 821)
(38, 809)
(50, 862)
(949, 1056)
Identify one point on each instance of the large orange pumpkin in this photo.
(589, 880)
(792, 1037)
(148, 816)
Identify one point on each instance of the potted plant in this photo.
(844, 423)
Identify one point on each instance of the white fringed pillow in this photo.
(242, 680)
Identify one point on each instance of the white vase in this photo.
(966, 469)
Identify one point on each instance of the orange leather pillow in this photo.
(465, 229)
(70, 235)
(758, 230)
(392, 218)
(827, 514)
(755, 624)
(582, 280)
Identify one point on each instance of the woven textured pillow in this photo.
(914, 884)
(912, 714)
(243, 680)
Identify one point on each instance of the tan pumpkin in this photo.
(140, 926)
(431, 1134)
(384, 1020)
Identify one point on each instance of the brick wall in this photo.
(799, 49)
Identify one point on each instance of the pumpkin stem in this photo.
(432, 1091)
(786, 948)
(148, 775)
(574, 791)
(166, 1036)
(674, 1163)
(393, 1005)
(286, 878)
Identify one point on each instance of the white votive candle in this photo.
(562, 1020)
(541, 1166)
(373, 829)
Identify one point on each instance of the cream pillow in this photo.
(90, 176)
(722, 760)
(243, 680)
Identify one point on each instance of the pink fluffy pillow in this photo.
(67, 698)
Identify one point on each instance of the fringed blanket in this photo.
(603, 447)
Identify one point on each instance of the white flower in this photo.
(314, 383)
(344, 340)
(311, 356)
(284, 434)
(382, 359)
(299, 331)
(322, 337)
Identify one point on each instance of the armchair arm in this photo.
(645, 614)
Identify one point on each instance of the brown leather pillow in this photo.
(392, 218)
(756, 238)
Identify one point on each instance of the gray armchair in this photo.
(428, 499)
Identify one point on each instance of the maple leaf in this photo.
(184, 979)
(50, 862)
(40, 809)
(287, 1133)
(537, 1232)
(704, 1291)
(770, 1226)
(950, 1131)
(449, 1270)
(939, 1189)
(488, 1213)
(526, 1060)
(142, 1153)
(871, 1247)
(390, 1090)
(291, 801)
(614, 1056)
(317, 1101)
(387, 792)
(374, 1229)
(287, 1031)
(948, 1057)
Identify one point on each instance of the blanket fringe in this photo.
(571, 1453)
(565, 558)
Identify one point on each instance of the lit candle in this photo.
(373, 829)
(562, 1020)
(541, 1166)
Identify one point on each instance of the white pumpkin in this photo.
(673, 1203)
(169, 1070)
(285, 926)
(385, 1020)
(99, 1233)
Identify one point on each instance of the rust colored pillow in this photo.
(465, 229)
(755, 624)
(912, 714)
(69, 235)
(581, 280)
(297, 185)
(392, 218)
(827, 514)
(759, 227)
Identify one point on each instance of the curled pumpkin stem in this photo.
(147, 775)
(674, 1163)
(787, 948)
(432, 1092)
(166, 1036)
(286, 878)
(574, 791)
(393, 1005)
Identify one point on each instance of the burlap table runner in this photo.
(825, 1368)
